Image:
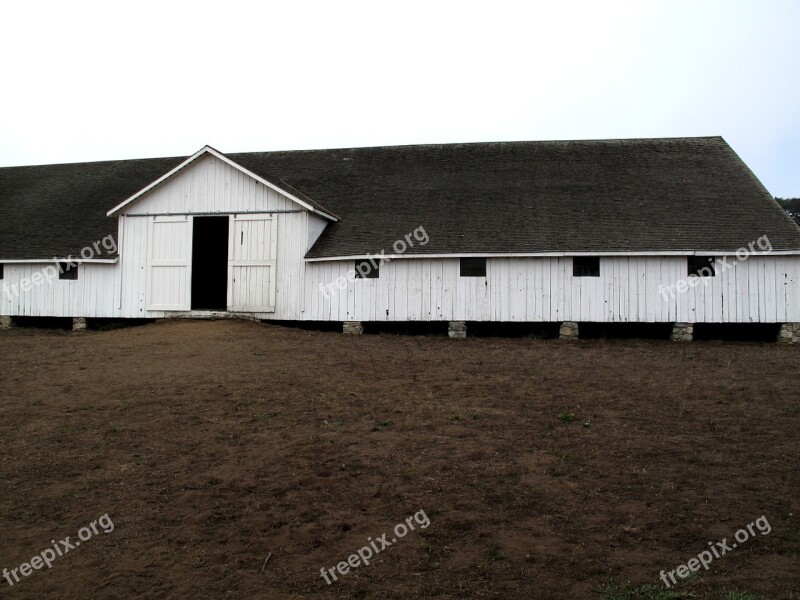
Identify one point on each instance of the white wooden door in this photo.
(169, 265)
(252, 258)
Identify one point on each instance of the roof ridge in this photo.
(492, 143)
(387, 147)
(96, 162)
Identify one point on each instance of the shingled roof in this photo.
(56, 210)
(649, 195)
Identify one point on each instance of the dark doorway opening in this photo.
(210, 263)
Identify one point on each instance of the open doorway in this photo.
(210, 263)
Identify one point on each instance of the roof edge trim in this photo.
(101, 261)
(413, 255)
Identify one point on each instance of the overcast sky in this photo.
(107, 80)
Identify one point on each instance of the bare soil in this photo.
(547, 469)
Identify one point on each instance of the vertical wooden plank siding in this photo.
(629, 289)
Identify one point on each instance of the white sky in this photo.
(105, 80)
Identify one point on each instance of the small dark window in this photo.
(701, 266)
(366, 269)
(473, 267)
(68, 271)
(2, 271)
(586, 266)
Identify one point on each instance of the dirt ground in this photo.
(546, 469)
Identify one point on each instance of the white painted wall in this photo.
(92, 294)
(316, 225)
(761, 289)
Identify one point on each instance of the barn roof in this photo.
(647, 195)
(56, 210)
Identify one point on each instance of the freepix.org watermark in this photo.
(50, 272)
(374, 261)
(373, 547)
(60, 548)
(721, 264)
(718, 549)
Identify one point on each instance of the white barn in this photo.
(623, 231)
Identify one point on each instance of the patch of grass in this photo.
(495, 554)
(567, 417)
(562, 455)
(408, 475)
(260, 417)
(242, 404)
(625, 591)
(737, 595)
